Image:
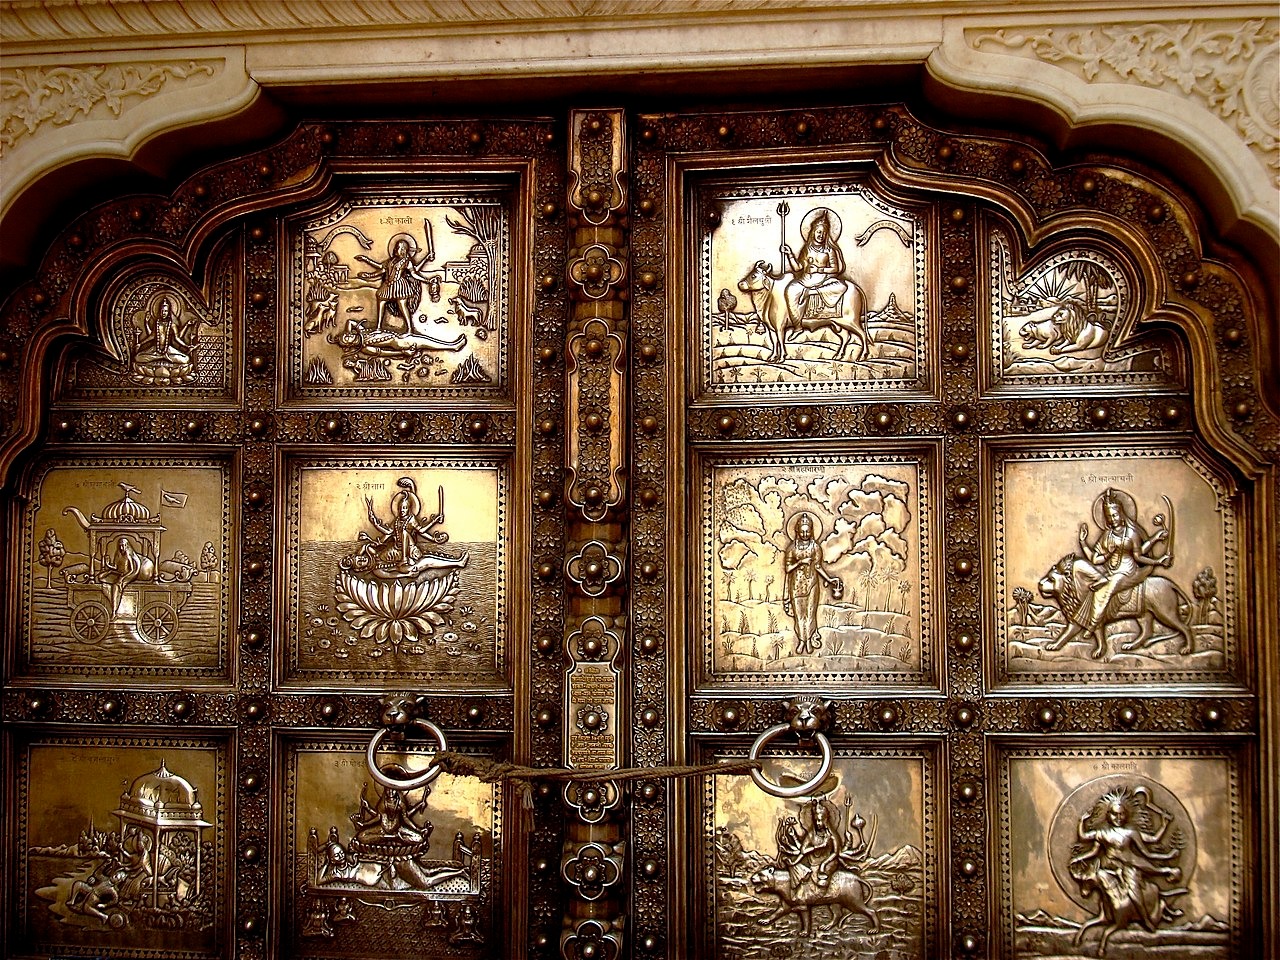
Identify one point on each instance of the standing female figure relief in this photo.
(802, 575)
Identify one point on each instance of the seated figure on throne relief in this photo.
(817, 286)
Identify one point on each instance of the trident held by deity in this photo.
(783, 209)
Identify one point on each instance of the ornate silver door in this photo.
(916, 479)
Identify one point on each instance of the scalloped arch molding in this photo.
(104, 79)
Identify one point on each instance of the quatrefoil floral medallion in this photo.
(593, 869)
(596, 271)
(592, 940)
(591, 799)
(593, 568)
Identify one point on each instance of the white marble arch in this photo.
(122, 85)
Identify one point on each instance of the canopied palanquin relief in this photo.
(417, 473)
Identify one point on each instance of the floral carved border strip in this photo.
(1233, 69)
(32, 97)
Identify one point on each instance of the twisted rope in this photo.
(499, 771)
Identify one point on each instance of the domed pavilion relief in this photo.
(123, 850)
(1116, 853)
(403, 296)
(397, 566)
(128, 564)
(808, 289)
(816, 569)
(843, 873)
(1062, 321)
(1117, 565)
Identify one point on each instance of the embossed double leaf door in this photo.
(611, 441)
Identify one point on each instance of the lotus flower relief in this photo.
(396, 610)
(394, 588)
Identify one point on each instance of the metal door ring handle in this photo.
(412, 783)
(800, 790)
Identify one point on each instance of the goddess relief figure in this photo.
(803, 575)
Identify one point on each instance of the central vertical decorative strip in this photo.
(593, 861)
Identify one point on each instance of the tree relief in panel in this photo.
(842, 873)
(123, 847)
(1061, 321)
(400, 297)
(1117, 565)
(816, 569)
(397, 566)
(128, 568)
(1120, 853)
(810, 290)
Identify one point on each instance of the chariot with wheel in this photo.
(124, 584)
(152, 609)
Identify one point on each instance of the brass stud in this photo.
(648, 570)
(192, 428)
(110, 708)
(649, 717)
(650, 868)
(326, 137)
(593, 347)
(475, 713)
(1128, 715)
(137, 214)
(880, 123)
(254, 709)
(258, 298)
(180, 707)
(257, 426)
(967, 791)
(1156, 212)
(647, 206)
(547, 282)
(883, 420)
(264, 170)
(254, 639)
(1212, 715)
(1088, 185)
(963, 567)
(647, 280)
(959, 283)
(545, 496)
(257, 233)
(729, 717)
(592, 646)
(544, 718)
(648, 791)
(960, 418)
(965, 641)
(251, 926)
(477, 427)
(546, 355)
(958, 351)
(726, 423)
(1046, 717)
(1233, 335)
(401, 138)
(130, 427)
(1171, 413)
(475, 138)
(1017, 165)
(648, 135)
(964, 716)
(255, 568)
(256, 496)
(969, 868)
(962, 492)
(803, 421)
(593, 422)
(546, 426)
(650, 643)
(958, 214)
(545, 643)
(39, 298)
(251, 853)
(1030, 416)
(946, 151)
(200, 190)
(550, 209)
(1100, 414)
(64, 427)
(649, 943)
(1241, 409)
(649, 424)
(1191, 278)
(250, 781)
(724, 131)
(887, 716)
(258, 363)
(648, 496)
(713, 218)
(802, 128)
(75, 240)
(595, 496)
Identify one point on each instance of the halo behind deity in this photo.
(1127, 504)
(175, 304)
(415, 504)
(833, 223)
(1086, 798)
(813, 518)
(408, 238)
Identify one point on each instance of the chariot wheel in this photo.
(157, 622)
(91, 621)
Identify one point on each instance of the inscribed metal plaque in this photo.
(376, 872)
(1114, 565)
(816, 569)
(846, 873)
(396, 569)
(127, 568)
(122, 846)
(810, 289)
(1063, 320)
(1123, 851)
(401, 296)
